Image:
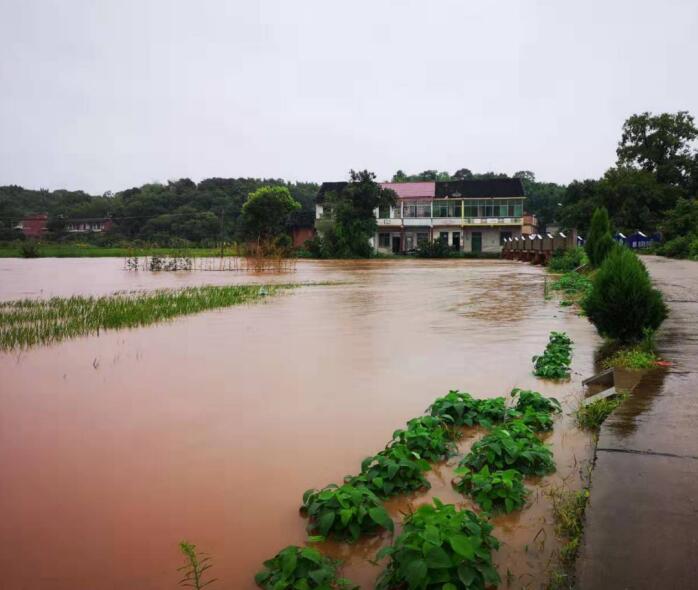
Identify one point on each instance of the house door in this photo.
(396, 244)
(456, 240)
(476, 241)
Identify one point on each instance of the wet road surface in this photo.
(642, 522)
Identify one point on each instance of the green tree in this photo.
(265, 213)
(682, 220)
(622, 303)
(599, 241)
(354, 222)
(462, 174)
(661, 144)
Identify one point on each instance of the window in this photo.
(443, 236)
(440, 208)
(417, 210)
(503, 235)
(384, 240)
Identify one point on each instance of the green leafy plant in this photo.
(623, 304)
(632, 357)
(575, 286)
(301, 568)
(396, 470)
(427, 436)
(461, 409)
(29, 249)
(535, 420)
(555, 361)
(513, 446)
(494, 491)
(527, 399)
(567, 260)
(441, 548)
(195, 568)
(345, 512)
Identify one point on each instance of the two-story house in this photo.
(470, 215)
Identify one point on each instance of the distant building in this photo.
(98, 225)
(33, 226)
(637, 239)
(470, 215)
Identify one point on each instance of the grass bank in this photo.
(28, 322)
(88, 251)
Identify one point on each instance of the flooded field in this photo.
(209, 428)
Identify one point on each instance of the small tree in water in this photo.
(599, 241)
(622, 303)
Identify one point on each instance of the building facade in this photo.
(91, 225)
(469, 215)
(33, 226)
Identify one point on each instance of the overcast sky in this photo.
(107, 94)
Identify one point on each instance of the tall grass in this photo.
(15, 250)
(29, 322)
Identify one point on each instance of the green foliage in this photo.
(681, 247)
(441, 548)
(631, 357)
(438, 248)
(266, 212)
(28, 322)
(591, 417)
(681, 221)
(555, 361)
(352, 217)
(535, 420)
(194, 570)
(532, 400)
(494, 491)
(427, 436)
(344, 512)
(29, 249)
(567, 260)
(568, 511)
(461, 409)
(512, 446)
(301, 568)
(574, 285)
(396, 470)
(623, 303)
(599, 241)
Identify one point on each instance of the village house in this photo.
(469, 215)
(33, 226)
(98, 225)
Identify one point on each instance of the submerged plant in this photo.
(513, 446)
(494, 491)
(427, 436)
(396, 470)
(196, 567)
(301, 568)
(590, 417)
(536, 420)
(345, 512)
(568, 511)
(491, 410)
(461, 409)
(527, 399)
(441, 548)
(554, 363)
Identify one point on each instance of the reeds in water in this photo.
(28, 322)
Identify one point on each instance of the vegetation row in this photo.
(555, 361)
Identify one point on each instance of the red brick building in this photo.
(34, 226)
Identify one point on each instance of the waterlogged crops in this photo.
(555, 362)
(28, 322)
(494, 491)
(344, 512)
(514, 446)
(301, 568)
(461, 409)
(396, 470)
(532, 400)
(441, 547)
(427, 436)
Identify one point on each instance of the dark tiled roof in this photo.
(329, 187)
(492, 187)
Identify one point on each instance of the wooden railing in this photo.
(538, 248)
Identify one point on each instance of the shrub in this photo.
(345, 512)
(438, 248)
(567, 260)
(29, 249)
(303, 568)
(599, 241)
(535, 420)
(441, 547)
(622, 303)
(427, 436)
(396, 470)
(527, 399)
(555, 361)
(513, 446)
(494, 491)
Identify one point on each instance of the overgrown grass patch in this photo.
(441, 547)
(631, 357)
(591, 417)
(568, 511)
(29, 322)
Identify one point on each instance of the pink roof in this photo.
(411, 190)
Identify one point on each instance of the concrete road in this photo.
(642, 521)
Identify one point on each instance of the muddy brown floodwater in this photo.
(209, 428)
